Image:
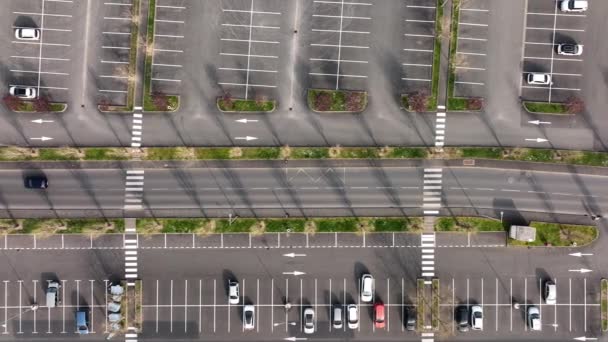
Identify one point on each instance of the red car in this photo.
(379, 315)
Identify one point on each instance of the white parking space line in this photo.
(40, 43)
(556, 29)
(42, 14)
(342, 31)
(45, 28)
(43, 58)
(336, 60)
(342, 2)
(418, 35)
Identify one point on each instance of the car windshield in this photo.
(534, 316)
(477, 314)
(248, 316)
(82, 327)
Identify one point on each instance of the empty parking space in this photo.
(169, 28)
(42, 62)
(251, 39)
(471, 52)
(339, 44)
(418, 45)
(113, 70)
(546, 28)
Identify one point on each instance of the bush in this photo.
(42, 104)
(354, 102)
(575, 105)
(228, 101)
(12, 102)
(323, 101)
(103, 103)
(161, 101)
(418, 101)
(474, 103)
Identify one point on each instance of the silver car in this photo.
(26, 33)
(309, 321)
(353, 316)
(573, 5)
(539, 78)
(233, 292)
(26, 93)
(249, 317)
(476, 317)
(367, 288)
(569, 49)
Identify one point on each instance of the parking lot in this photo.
(18, 317)
(546, 27)
(471, 52)
(169, 28)
(46, 63)
(418, 45)
(113, 58)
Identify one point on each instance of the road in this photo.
(303, 191)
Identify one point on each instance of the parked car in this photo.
(233, 292)
(550, 292)
(36, 182)
(569, 49)
(462, 318)
(82, 322)
(379, 315)
(26, 93)
(367, 288)
(410, 320)
(309, 321)
(476, 317)
(249, 317)
(533, 318)
(573, 5)
(337, 317)
(353, 316)
(539, 78)
(52, 294)
(27, 33)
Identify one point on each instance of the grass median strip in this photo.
(604, 304)
(435, 311)
(559, 235)
(337, 101)
(546, 107)
(420, 305)
(469, 224)
(16, 154)
(230, 105)
(61, 226)
(132, 68)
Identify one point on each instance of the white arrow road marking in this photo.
(579, 254)
(39, 121)
(295, 273)
(538, 122)
(538, 140)
(246, 138)
(585, 338)
(582, 270)
(42, 138)
(245, 120)
(293, 255)
(295, 338)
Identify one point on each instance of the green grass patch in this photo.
(54, 154)
(559, 235)
(545, 107)
(325, 100)
(283, 225)
(310, 153)
(420, 304)
(432, 103)
(359, 152)
(538, 155)
(104, 153)
(182, 225)
(242, 105)
(212, 152)
(261, 153)
(482, 152)
(591, 158)
(408, 153)
(241, 225)
(337, 225)
(162, 153)
(469, 224)
(453, 46)
(396, 224)
(435, 304)
(604, 304)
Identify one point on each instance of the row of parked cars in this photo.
(27, 34)
(564, 49)
(339, 316)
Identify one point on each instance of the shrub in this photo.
(418, 101)
(228, 101)
(104, 103)
(474, 103)
(12, 102)
(42, 104)
(161, 101)
(575, 105)
(354, 102)
(323, 101)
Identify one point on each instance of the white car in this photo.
(533, 318)
(367, 288)
(573, 5)
(249, 317)
(233, 292)
(550, 292)
(26, 93)
(569, 49)
(25, 33)
(476, 317)
(337, 317)
(539, 78)
(309, 321)
(353, 316)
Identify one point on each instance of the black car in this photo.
(462, 318)
(36, 182)
(410, 319)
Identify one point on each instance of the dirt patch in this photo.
(149, 226)
(236, 152)
(364, 226)
(310, 227)
(185, 153)
(444, 153)
(18, 153)
(208, 228)
(334, 152)
(385, 151)
(285, 152)
(258, 228)
(137, 153)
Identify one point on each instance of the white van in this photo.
(52, 294)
